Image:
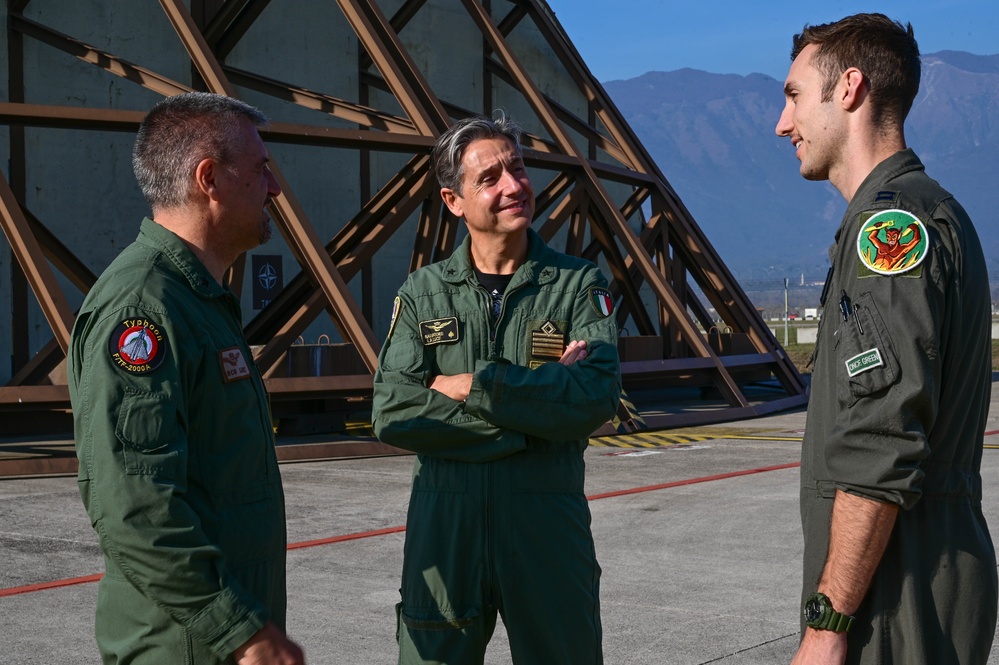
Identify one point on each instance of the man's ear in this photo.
(452, 201)
(854, 88)
(204, 176)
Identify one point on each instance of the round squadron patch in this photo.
(892, 242)
(602, 301)
(137, 346)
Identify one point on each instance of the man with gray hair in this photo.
(500, 362)
(173, 431)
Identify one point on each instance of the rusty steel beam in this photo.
(338, 108)
(230, 24)
(601, 199)
(394, 200)
(35, 266)
(307, 312)
(669, 251)
(294, 226)
(94, 56)
(393, 61)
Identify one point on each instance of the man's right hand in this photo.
(269, 646)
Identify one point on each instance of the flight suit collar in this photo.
(874, 185)
(538, 269)
(183, 259)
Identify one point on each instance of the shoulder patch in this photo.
(440, 331)
(137, 346)
(892, 242)
(601, 301)
(396, 309)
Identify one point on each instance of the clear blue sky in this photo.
(621, 39)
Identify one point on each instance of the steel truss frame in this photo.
(667, 255)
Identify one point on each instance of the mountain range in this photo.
(713, 137)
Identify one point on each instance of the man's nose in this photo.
(784, 124)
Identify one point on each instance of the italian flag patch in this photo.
(602, 301)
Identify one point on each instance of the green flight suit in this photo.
(497, 518)
(899, 398)
(177, 465)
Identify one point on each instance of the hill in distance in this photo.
(713, 137)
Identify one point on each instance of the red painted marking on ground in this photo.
(349, 536)
(692, 481)
(13, 591)
(29, 588)
(995, 431)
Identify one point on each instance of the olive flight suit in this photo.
(898, 406)
(177, 465)
(497, 518)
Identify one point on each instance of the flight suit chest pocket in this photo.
(866, 359)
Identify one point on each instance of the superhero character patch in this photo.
(439, 331)
(891, 242)
(234, 365)
(546, 343)
(137, 346)
(602, 302)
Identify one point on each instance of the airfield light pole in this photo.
(785, 312)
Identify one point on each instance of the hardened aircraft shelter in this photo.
(357, 91)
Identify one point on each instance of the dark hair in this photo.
(449, 150)
(177, 134)
(885, 51)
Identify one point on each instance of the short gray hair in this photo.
(177, 134)
(449, 150)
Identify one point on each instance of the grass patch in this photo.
(800, 353)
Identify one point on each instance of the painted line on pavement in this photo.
(72, 581)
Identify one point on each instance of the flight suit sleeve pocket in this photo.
(149, 430)
(403, 355)
(867, 362)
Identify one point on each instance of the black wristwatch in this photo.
(819, 614)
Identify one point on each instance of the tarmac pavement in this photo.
(697, 531)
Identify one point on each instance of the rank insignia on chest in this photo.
(602, 302)
(440, 331)
(137, 346)
(547, 343)
(234, 365)
(891, 242)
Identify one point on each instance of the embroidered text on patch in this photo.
(233, 364)
(863, 362)
(137, 345)
(602, 301)
(439, 331)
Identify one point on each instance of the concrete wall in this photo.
(80, 184)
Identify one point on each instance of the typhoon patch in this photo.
(891, 242)
(137, 346)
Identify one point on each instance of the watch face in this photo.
(813, 610)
